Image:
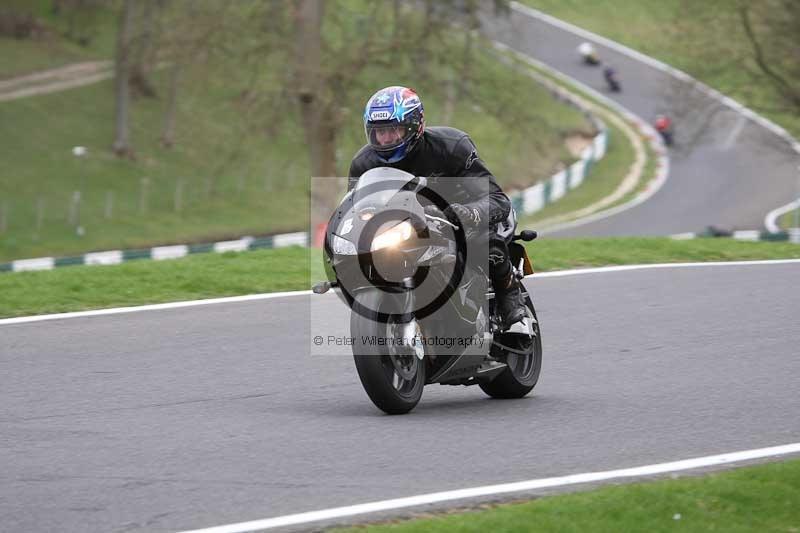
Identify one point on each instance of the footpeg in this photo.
(489, 369)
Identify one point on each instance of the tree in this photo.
(308, 84)
(757, 61)
(748, 49)
(185, 33)
(143, 48)
(122, 69)
(81, 18)
(335, 42)
(304, 62)
(772, 28)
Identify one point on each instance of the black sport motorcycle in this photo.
(422, 310)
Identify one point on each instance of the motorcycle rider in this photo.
(663, 125)
(394, 124)
(610, 75)
(588, 54)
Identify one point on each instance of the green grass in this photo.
(22, 57)
(756, 498)
(648, 173)
(558, 254)
(38, 164)
(143, 282)
(211, 275)
(705, 42)
(789, 220)
(58, 46)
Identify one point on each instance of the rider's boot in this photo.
(510, 302)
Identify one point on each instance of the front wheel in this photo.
(389, 356)
(522, 354)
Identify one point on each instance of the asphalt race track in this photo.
(725, 171)
(189, 418)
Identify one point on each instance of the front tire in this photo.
(392, 376)
(523, 369)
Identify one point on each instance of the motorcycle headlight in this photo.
(343, 246)
(392, 236)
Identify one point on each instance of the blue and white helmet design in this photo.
(393, 122)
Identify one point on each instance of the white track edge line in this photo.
(270, 295)
(151, 307)
(489, 490)
(771, 221)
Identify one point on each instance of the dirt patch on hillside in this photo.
(577, 143)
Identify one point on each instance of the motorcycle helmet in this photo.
(393, 122)
(586, 49)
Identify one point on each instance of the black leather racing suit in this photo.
(449, 152)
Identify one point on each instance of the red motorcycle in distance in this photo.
(663, 125)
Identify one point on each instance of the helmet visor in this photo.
(387, 137)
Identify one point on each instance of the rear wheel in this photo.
(389, 357)
(523, 355)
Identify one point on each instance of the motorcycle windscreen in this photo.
(378, 186)
(381, 239)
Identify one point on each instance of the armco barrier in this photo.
(159, 253)
(544, 193)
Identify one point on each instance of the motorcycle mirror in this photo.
(321, 287)
(526, 235)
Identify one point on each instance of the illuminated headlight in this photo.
(393, 236)
(343, 246)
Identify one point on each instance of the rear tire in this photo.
(392, 378)
(523, 371)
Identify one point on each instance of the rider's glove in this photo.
(461, 215)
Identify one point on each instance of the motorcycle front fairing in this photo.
(362, 259)
(377, 235)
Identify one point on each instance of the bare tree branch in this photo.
(783, 86)
(121, 144)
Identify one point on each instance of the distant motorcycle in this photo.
(612, 80)
(380, 247)
(663, 125)
(588, 54)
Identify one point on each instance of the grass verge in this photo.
(789, 220)
(211, 275)
(145, 282)
(756, 498)
(601, 181)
